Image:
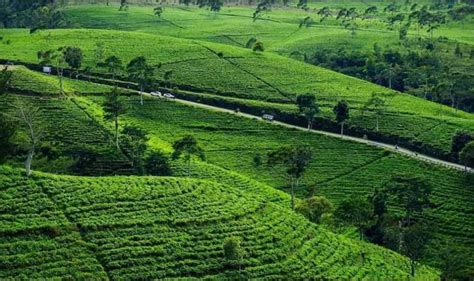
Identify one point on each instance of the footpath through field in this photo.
(390, 147)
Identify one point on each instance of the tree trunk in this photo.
(413, 266)
(390, 83)
(309, 125)
(292, 194)
(60, 77)
(116, 133)
(29, 159)
(342, 128)
(141, 95)
(377, 126)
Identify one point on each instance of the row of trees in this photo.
(35, 14)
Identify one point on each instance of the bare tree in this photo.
(28, 115)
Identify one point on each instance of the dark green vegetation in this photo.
(236, 198)
(142, 228)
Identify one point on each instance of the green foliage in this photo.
(355, 211)
(258, 46)
(233, 251)
(73, 57)
(413, 193)
(467, 154)
(414, 241)
(113, 108)
(308, 107)
(187, 146)
(5, 79)
(7, 130)
(134, 142)
(157, 164)
(314, 208)
(158, 11)
(459, 141)
(69, 223)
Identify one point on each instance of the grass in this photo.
(141, 228)
(241, 73)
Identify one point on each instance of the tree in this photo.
(342, 113)
(73, 57)
(296, 159)
(308, 107)
(306, 22)
(355, 211)
(5, 79)
(157, 164)
(113, 108)
(158, 11)
(412, 192)
(414, 241)
(187, 146)
(313, 208)
(123, 5)
(453, 262)
(113, 64)
(56, 58)
(389, 74)
(141, 72)
(28, 116)
(7, 131)
(466, 156)
(262, 7)
(459, 140)
(258, 47)
(377, 105)
(133, 140)
(233, 252)
(324, 13)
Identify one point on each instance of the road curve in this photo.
(389, 147)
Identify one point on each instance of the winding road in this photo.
(389, 147)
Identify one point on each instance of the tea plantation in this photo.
(142, 228)
(241, 73)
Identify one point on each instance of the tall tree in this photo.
(5, 79)
(377, 104)
(342, 113)
(414, 241)
(324, 13)
(54, 57)
(308, 107)
(73, 57)
(133, 140)
(28, 116)
(113, 108)
(123, 5)
(459, 140)
(296, 160)
(466, 156)
(412, 192)
(141, 72)
(113, 64)
(355, 211)
(187, 146)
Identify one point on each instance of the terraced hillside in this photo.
(130, 228)
(340, 168)
(65, 126)
(240, 73)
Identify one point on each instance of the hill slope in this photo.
(237, 72)
(134, 228)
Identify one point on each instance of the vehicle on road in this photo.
(156, 93)
(268, 117)
(168, 95)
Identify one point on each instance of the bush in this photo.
(157, 164)
(313, 208)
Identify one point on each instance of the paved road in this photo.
(390, 147)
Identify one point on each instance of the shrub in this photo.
(157, 164)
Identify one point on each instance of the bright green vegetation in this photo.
(339, 169)
(32, 81)
(240, 73)
(140, 228)
(67, 129)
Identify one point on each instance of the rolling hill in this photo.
(225, 71)
(130, 228)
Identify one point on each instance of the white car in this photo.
(168, 95)
(156, 93)
(268, 117)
